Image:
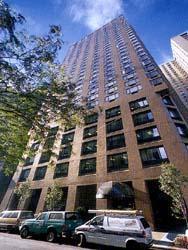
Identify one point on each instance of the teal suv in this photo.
(52, 225)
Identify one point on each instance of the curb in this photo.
(167, 247)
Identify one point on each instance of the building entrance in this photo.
(160, 202)
(32, 202)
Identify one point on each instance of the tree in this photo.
(172, 182)
(54, 197)
(34, 90)
(23, 191)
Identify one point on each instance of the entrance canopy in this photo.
(114, 190)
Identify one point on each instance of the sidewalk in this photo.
(164, 240)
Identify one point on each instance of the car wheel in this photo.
(51, 236)
(132, 245)
(24, 233)
(81, 240)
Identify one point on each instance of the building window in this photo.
(116, 141)
(113, 112)
(29, 161)
(147, 134)
(67, 138)
(152, 156)
(143, 118)
(87, 166)
(65, 152)
(45, 157)
(61, 170)
(91, 118)
(90, 132)
(167, 101)
(117, 162)
(49, 142)
(182, 130)
(134, 89)
(156, 81)
(40, 173)
(89, 147)
(174, 114)
(138, 104)
(114, 125)
(24, 175)
(53, 131)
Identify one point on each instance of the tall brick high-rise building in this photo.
(135, 125)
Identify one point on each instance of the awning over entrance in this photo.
(114, 190)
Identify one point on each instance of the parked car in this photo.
(117, 229)
(52, 224)
(10, 220)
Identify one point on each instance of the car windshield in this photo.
(144, 223)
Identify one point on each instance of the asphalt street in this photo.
(14, 242)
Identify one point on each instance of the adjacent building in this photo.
(176, 71)
(113, 160)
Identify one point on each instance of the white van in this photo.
(117, 229)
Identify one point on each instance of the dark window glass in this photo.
(35, 145)
(138, 104)
(142, 118)
(55, 216)
(167, 101)
(45, 157)
(117, 162)
(113, 112)
(91, 118)
(67, 138)
(89, 132)
(182, 130)
(29, 161)
(144, 223)
(147, 134)
(114, 126)
(152, 156)
(53, 131)
(24, 175)
(87, 166)
(65, 152)
(40, 173)
(156, 81)
(89, 147)
(61, 170)
(116, 141)
(174, 114)
(49, 142)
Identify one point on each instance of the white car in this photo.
(117, 229)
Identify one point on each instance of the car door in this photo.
(39, 224)
(96, 232)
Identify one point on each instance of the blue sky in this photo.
(155, 21)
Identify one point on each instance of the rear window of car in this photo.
(144, 223)
(71, 216)
(26, 215)
(56, 216)
(10, 215)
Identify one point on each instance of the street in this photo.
(14, 242)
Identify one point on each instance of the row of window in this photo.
(116, 162)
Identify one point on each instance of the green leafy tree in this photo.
(54, 197)
(34, 90)
(172, 182)
(23, 191)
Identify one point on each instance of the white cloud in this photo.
(95, 13)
